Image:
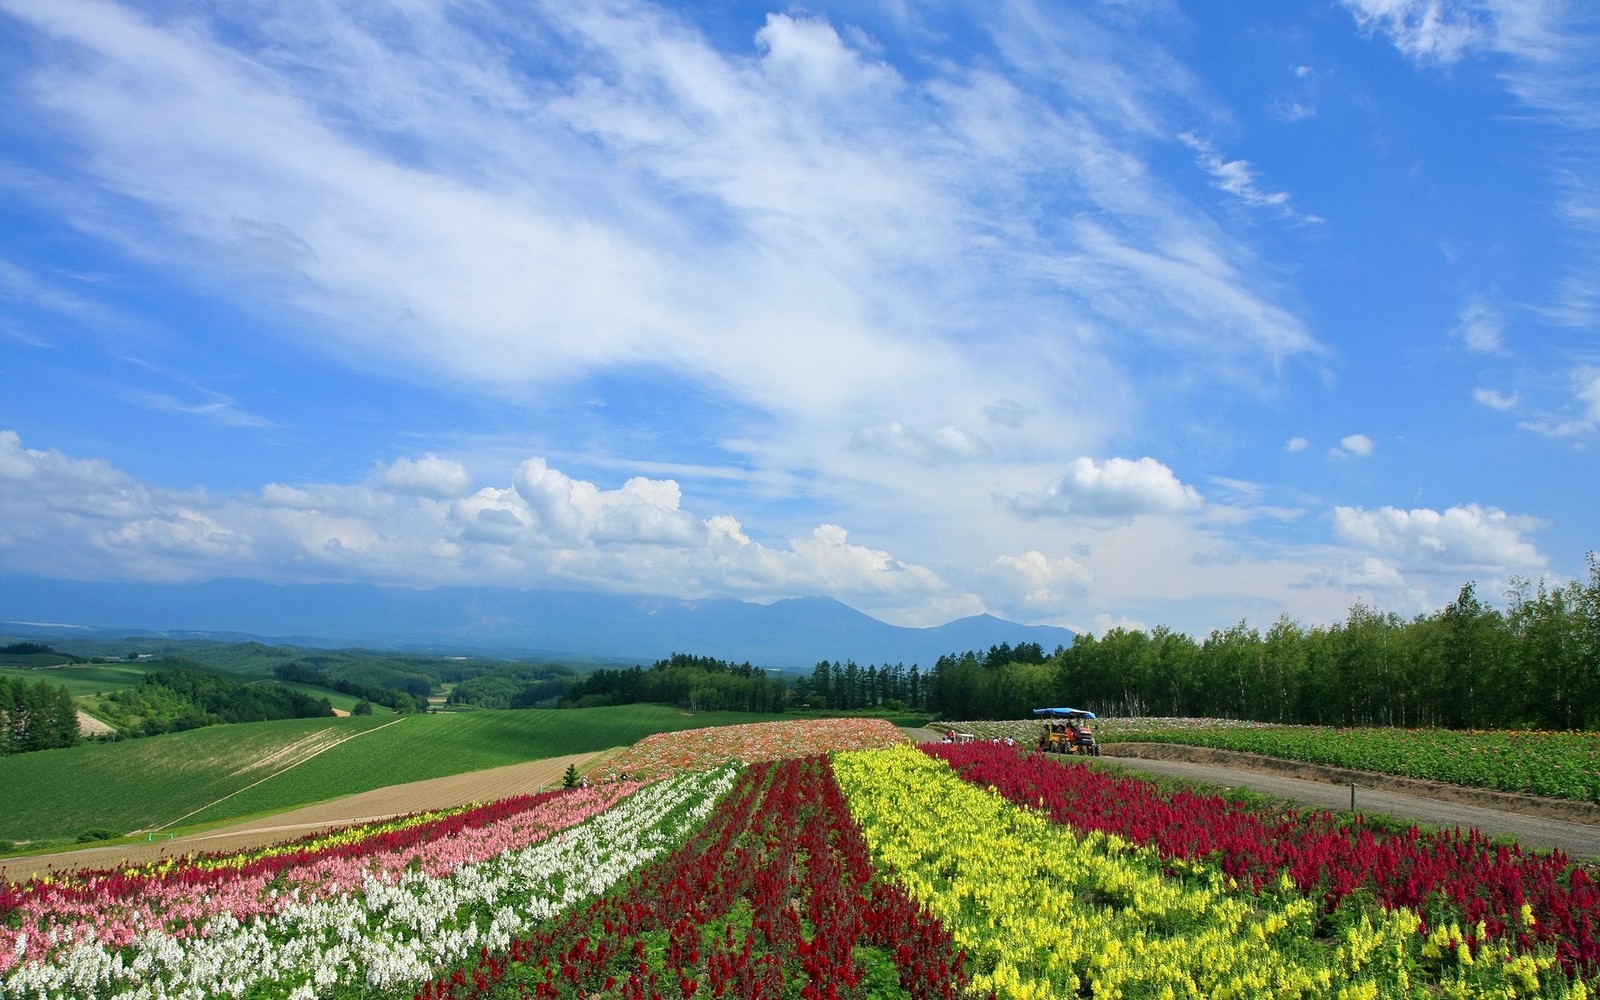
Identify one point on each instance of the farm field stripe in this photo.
(274, 774)
(1044, 912)
(396, 929)
(1561, 765)
(774, 896)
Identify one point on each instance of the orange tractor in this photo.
(1066, 730)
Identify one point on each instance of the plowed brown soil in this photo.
(396, 800)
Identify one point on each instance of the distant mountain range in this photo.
(790, 634)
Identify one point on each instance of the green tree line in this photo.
(37, 716)
(304, 673)
(518, 685)
(698, 683)
(1469, 665)
(169, 701)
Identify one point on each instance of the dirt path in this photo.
(396, 800)
(1573, 828)
(88, 725)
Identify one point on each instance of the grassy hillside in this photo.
(33, 659)
(338, 699)
(86, 678)
(54, 795)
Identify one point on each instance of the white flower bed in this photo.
(390, 934)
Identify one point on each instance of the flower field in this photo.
(762, 865)
(1564, 765)
(664, 753)
(1451, 879)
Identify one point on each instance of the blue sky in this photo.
(1089, 314)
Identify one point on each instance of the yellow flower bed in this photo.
(1044, 913)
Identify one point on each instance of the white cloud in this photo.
(55, 473)
(1033, 583)
(1104, 623)
(1467, 538)
(945, 444)
(1296, 444)
(1117, 488)
(1290, 110)
(1548, 48)
(1353, 446)
(785, 220)
(415, 525)
(1583, 418)
(1494, 399)
(1438, 31)
(1237, 177)
(808, 54)
(428, 476)
(218, 409)
(1481, 325)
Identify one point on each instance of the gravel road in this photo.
(1580, 841)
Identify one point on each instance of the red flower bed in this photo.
(1452, 875)
(776, 887)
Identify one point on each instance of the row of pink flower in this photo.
(112, 908)
(703, 749)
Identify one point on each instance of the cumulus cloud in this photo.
(1035, 583)
(1116, 488)
(1468, 538)
(428, 476)
(416, 524)
(1352, 446)
(1296, 444)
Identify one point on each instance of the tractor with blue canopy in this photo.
(1066, 730)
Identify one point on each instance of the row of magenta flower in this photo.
(905, 878)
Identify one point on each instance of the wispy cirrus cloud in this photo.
(786, 221)
(1239, 178)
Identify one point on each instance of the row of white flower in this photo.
(390, 934)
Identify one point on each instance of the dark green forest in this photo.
(37, 716)
(698, 683)
(170, 701)
(304, 673)
(516, 685)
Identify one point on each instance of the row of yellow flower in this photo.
(1043, 912)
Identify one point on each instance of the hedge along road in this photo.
(1429, 803)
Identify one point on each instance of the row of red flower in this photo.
(776, 887)
(1449, 875)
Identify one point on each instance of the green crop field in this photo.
(33, 659)
(85, 678)
(53, 795)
